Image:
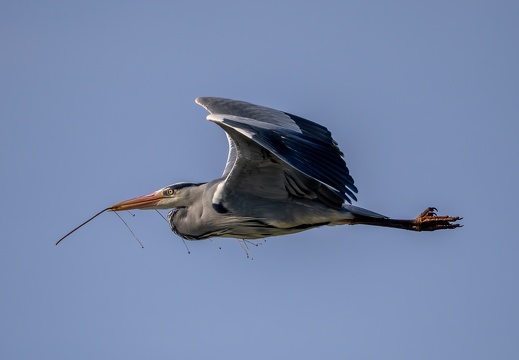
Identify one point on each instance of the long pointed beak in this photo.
(141, 202)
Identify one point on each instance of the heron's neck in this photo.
(186, 219)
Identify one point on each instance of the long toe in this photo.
(429, 221)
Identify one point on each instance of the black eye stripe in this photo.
(170, 190)
(183, 185)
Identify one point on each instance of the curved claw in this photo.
(430, 221)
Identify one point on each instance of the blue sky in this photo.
(98, 106)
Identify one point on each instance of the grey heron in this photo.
(284, 174)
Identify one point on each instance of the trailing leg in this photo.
(426, 221)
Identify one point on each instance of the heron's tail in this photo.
(358, 211)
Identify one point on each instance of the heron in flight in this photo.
(284, 174)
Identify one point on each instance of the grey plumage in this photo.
(284, 174)
(276, 161)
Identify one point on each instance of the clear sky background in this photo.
(97, 107)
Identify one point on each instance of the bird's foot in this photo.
(429, 221)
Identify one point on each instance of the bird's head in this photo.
(172, 196)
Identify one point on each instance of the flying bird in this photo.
(284, 174)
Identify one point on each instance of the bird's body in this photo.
(284, 174)
(202, 219)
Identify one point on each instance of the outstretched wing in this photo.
(277, 154)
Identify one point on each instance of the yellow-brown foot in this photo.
(429, 221)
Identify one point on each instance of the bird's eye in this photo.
(169, 191)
